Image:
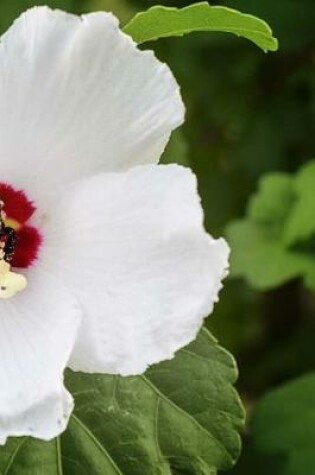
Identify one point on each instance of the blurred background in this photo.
(248, 114)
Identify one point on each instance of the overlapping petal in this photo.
(37, 332)
(132, 248)
(76, 97)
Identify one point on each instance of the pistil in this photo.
(10, 282)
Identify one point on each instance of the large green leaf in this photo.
(284, 426)
(159, 22)
(181, 417)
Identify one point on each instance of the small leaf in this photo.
(161, 22)
(182, 416)
(259, 257)
(275, 242)
(284, 425)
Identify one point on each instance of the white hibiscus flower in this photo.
(120, 272)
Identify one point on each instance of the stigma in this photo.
(19, 240)
(10, 282)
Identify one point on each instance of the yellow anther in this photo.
(12, 223)
(10, 282)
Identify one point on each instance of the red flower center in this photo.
(20, 240)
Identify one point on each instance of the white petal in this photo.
(133, 249)
(77, 97)
(38, 327)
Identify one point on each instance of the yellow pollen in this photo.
(10, 282)
(12, 223)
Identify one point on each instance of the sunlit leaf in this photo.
(160, 22)
(275, 242)
(259, 256)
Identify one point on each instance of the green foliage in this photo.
(10, 10)
(121, 8)
(182, 416)
(176, 150)
(284, 427)
(272, 204)
(301, 222)
(293, 21)
(161, 22)
(273, 244)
